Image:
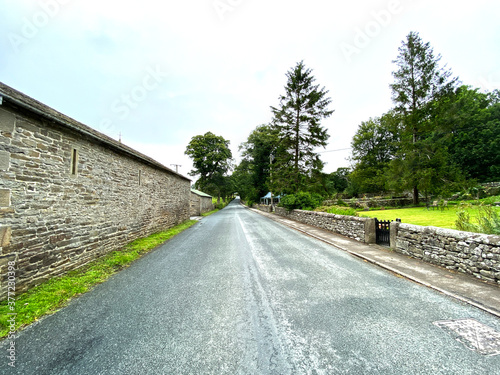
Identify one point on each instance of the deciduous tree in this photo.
(211, 161)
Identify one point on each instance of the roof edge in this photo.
(18, 98)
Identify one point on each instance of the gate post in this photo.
(394, 233)
(370, 230)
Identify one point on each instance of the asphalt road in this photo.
(240, 294)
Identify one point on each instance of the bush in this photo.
(340, 202)
(339, 210)
(220, 205)
(488, 220)
(301, 201)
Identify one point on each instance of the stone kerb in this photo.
(472, 253)
(359, 228)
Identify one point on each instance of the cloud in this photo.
(91, 59)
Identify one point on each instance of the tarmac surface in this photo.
(238, 293)
(469, 289)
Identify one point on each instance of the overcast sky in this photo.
(161, 72)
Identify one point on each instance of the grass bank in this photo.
(422, 216)
(50, 296)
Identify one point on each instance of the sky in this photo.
(157, 73)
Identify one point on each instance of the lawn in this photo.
(421, 216)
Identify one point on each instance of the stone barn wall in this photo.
(69, 194)
(200, 203)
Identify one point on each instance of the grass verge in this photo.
(210, 212)
(55, 293)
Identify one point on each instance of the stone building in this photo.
(69, 194)
(200, 203)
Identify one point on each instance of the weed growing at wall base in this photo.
(50, 296)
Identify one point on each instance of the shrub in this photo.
(301, 201)
(340, 202)
(346, 211)
(488, 220)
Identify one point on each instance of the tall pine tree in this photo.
(417, 83)
(297, 121)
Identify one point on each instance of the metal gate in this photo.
(383, 231)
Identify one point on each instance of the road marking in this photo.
(473, 334)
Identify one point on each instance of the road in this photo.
(240, 294)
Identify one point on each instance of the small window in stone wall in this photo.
(74, 162)
(140, 176)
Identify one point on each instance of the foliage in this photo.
(418, 83)
(470, 122)
(297, 122)
(220, 204)
(374, 146)
(211, 161)
(55, 293)
(251, 177)
(338, 210)
(337, 181)
(488, 219)
(301, 201)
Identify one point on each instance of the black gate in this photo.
(383, 231)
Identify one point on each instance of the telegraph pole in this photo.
(176, 167)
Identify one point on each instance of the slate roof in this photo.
(200, 193)
(18, 99)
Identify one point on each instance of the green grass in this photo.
(50, 296)
(338, 210)
(210, 212)
(421, 216)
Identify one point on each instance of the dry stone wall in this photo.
(471, 253)
(358, 228)
(68, 197)
(263, 207)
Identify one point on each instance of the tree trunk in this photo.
(297, 149)
(415, 196)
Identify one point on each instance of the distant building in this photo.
(200, 203)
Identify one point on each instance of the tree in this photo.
(339, 179)
(211, 161)
(470, 123)
(257, 152)
(297, 121)
(243, 182)
(418, 82)
(374, 145)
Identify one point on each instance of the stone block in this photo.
(370, 231)
(4, 198)
(4, 160)
(22, 124)
(5, 259)
(5, 234)
(7, 121)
